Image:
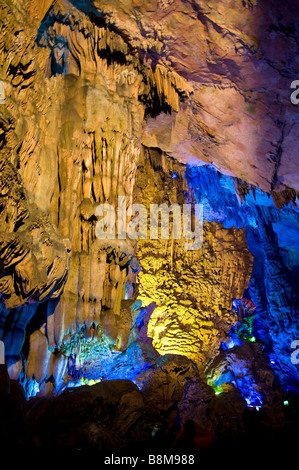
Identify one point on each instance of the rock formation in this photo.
(114, 103)
(192, 290)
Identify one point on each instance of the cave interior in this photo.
(124, 329)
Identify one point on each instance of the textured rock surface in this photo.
(231, 63)
(112, 98)
(76, 145)
(272, 236)
(193, 290)
(162, 386)
(83, 417)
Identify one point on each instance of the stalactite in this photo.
(78, 87)
(196, 294)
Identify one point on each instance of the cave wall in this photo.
(109, 99)
(272, 236)
(192, 290)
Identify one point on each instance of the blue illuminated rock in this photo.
(273, 238)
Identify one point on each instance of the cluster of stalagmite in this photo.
(76, 93)
(71, 141)
(192, 289)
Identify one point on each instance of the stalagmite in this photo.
(39, 357)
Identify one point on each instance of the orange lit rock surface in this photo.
(86, 85)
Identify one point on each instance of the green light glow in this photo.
(286, 402)
(252, 339)
(89, 382)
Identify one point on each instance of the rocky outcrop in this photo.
(76, 147)
(82, 419)
(162, 385)
(224, 69)
(192, 290)
(272, 236)
(115, 417)
(34, 258)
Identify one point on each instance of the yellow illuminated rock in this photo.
(193, 290)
